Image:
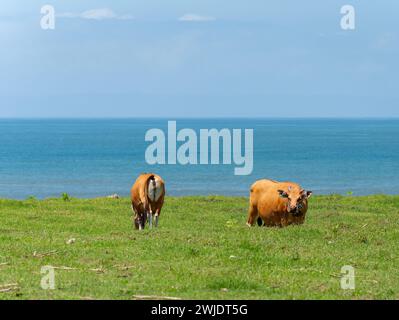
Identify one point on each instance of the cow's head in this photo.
(296, 198)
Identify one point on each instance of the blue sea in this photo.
(95, 158)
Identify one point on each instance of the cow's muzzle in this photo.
(296, 211)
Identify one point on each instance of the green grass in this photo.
(201, 250)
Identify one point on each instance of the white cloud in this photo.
(99, 14)
(96, 14)
(196, 18)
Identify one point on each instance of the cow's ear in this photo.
(306, 194)
(282, 193)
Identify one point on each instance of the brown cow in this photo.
(277, 203)
(147, 195)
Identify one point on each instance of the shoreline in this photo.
(194, 196)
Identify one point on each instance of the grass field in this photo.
(201, 250)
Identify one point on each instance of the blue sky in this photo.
(207, 58)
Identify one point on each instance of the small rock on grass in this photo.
(71, 241)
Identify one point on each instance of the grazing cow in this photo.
(147, 194)
(275, 203)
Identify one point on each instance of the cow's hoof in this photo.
(248, 224)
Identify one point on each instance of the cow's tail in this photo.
(150, 179)
(155, 188)
(259, 221)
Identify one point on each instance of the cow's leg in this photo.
(149, 217)
(156, 219)
(252, 215)
(143, 220)
(135, 216)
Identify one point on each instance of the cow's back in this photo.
(138, 186)
(260, 189)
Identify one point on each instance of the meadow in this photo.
(201, 250)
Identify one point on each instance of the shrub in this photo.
(65, 196)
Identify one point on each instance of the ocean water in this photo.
(92, 158)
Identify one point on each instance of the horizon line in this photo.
(171, 118)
